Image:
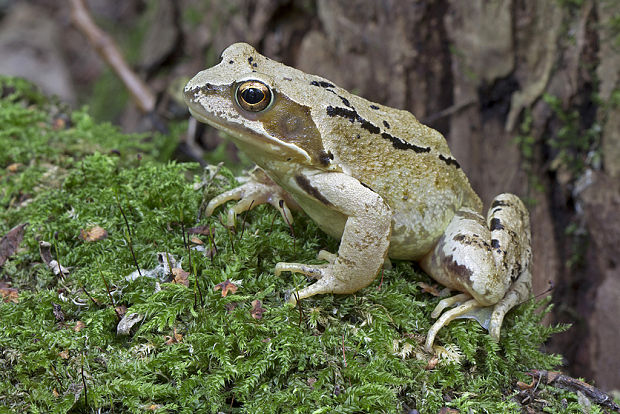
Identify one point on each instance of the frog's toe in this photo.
(445, 319)
(215, 202)
(327, 284)
(327, 256)
(447, 302)
(313, 271)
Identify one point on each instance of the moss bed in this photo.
(194, 349)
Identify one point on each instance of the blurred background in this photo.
(525, 91)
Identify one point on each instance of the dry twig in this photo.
(107, 49)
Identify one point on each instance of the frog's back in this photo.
(386, 149)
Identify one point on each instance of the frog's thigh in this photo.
(364, 242)
(483, 258)
(463, 260)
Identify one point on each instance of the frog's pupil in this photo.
(252, 95)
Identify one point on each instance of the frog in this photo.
(369, 175)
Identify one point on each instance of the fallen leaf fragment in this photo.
(94, 233)
(525, 386)
(79, 326)
(429, 288)
(128, 321)
(174, 339)
(196, 240)
(121, 310)
(10, 242)
(13, 168)
(45, 250)
(202, 230)
(446, 410)
(58, 269)
(55, 393)
(432, 363)
(180, 276)
(257, 309)
(9, 294)
(64, 354)
(226, 286)
(58, 313)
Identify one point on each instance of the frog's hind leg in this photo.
(486, 259)
(509, 222)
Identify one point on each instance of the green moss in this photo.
(353, 353)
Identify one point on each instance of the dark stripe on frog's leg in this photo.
(496, 224)
(325, 158)
(305, 185)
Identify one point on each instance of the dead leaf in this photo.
(226, 286)
(446, 410)
(195, 240)
(175, 338)
(13, 168)
(94, 233)
(432, 289)
(59, 123)
(58, 269)
(9, 294)
(180, 276)
(45, 251)
(202, 230)
(64, 354)
(257, 310)
(58, 313)
(79, 326)
(128, 321)
(230, 306)
(121, 310)
(525, 386)
(153, 407)
(311, 381)
(55, 393)
(10, 242)
(432, 363)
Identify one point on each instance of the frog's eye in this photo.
(253, 96)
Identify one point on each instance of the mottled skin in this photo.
(370, 175)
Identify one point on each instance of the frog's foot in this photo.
(324, 273)
(259, 189)
(449, 316)
(313, 271)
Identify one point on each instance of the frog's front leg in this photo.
(489, 262)
(364, 241)
(258, 189)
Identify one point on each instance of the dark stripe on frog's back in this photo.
(400, 144)
(305, 185)
(291, 122)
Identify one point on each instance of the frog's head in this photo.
(242, 96)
